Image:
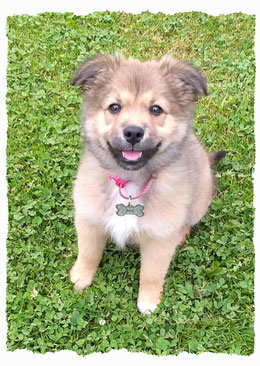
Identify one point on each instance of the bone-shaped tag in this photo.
(123, 210)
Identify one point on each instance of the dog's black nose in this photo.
(133, 134)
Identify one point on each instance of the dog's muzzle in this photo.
(133, 156)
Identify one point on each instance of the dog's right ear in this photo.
(95, 69)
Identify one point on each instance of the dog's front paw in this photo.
(80, 277)
(145, 308)
(148, 299)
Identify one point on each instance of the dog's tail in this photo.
(214, 157)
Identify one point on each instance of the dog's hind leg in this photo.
(185, 233)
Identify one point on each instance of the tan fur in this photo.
(156, 256)
(91, 243)
(183, 188)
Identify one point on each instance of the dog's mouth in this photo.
(132, 155)
(133, 159)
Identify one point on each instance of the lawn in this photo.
(208, 304)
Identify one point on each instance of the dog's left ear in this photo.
(186, 80)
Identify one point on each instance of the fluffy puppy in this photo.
(144, 177)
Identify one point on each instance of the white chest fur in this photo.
(121, 228)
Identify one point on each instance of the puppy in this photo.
(144, 177)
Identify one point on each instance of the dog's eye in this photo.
(114, 108)
(155, 110)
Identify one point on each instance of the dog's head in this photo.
(137, 113)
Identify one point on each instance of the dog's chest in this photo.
(120, 221)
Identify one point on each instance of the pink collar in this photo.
(121, 183)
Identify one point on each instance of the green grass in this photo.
(209, 292)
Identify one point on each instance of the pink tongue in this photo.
(132, 154)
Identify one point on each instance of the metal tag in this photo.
(123, 210)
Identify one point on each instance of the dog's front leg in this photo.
(156, 257)
(91, 243)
